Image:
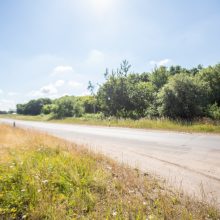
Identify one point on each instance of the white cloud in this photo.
(95, 57)
(6, 104)
(163, 62)
(66, 94)
(1, 91)
(74, 84)
(59, 83)
(59, 70)
(49, 89)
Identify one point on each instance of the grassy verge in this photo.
(42, 177)
(159, 124)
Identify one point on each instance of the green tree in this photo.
(210, 77)
(48, 108)
(141, 96)
(88, 103)
(182, 98)
(20, 109)
(159, 77)
(91, 89)
(67, 106)
(33, 107)
(113, 94)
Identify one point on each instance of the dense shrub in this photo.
(181, 98)
(214, 111)
(67, 107)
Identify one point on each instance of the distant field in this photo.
(43, 177)
(159, 124)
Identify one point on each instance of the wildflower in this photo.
(109, 168)
(44, 181)
(114, 213)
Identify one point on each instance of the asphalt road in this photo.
(190, 162)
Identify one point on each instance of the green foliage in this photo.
(88, 103)
(211, 78)
(159, 77)
(33, 107)
(117, 96)
(181, 98)
(214, 111)
(48, 109)
(67, 106)
(142, 95)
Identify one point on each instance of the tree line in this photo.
(174, 92)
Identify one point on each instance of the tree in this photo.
(141, 96)
(33, 107)
(181, 98)
(88, 103)
(67, 107)
(48, 108)
(159, 77)
(124, 68)
(91, 88)
(210, 77)
(125, 95)
(20, 109)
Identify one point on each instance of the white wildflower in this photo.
(109, 168)
(44, 181)
(114, 213)
(131, 191)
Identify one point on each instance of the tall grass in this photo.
(159, 124)
(42, 177)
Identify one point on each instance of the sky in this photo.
(51, 48)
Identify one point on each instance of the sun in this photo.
(101, 6)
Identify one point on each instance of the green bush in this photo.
(214, 111)
(181, 98)
(67, 107)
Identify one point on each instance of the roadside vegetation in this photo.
(203, 125)
(43, 177)
(173, 98)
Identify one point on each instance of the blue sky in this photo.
(49, 48)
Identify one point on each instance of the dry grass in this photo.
(204, 125)
(43, 177)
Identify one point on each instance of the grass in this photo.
(206, 126)
(43, 177)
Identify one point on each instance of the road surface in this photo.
(190, 162)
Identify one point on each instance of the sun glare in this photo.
(101, 6)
